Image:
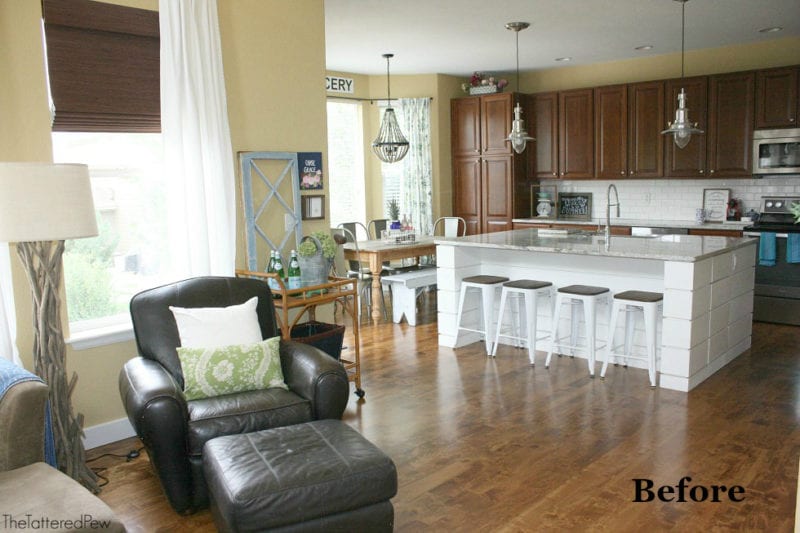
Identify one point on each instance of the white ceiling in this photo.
(461, 36)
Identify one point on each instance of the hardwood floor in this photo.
(497, 445)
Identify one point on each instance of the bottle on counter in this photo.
(294, 271)
(279, 270)
(273, 285)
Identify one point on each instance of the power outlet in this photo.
(288, 222)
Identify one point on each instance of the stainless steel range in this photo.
(777, 290)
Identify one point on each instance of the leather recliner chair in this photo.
(172, 429)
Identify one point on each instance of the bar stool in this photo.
(487, 285)
(587, 296)
(527, 292)
(631, 302)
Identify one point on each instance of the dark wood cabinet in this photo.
(628, 124)
(690, 161)
(777, 93)
(576, 134)
(716, 232)
(545, 108)
(611, 132)
(489, 182)
(730, 125)
(467, 202)
(645, 123)
(465, 125)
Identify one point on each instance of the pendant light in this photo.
(518, 136)
(682, 129)
(390, 145)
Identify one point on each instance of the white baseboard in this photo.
(107, 433)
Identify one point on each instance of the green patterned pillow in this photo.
(209, 372)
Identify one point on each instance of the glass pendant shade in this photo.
(682, 128)
(518, 136)
(390, 145)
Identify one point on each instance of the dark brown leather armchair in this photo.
(172, 429)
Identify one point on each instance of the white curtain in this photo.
(416, 187)
(198, 157)
(8, 319)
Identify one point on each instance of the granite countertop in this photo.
(684, 248)
(649, 223)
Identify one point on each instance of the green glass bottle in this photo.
(294, 271)
(279, 270)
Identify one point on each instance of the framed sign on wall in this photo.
(715, 204)
(575, 205)
(313, 207)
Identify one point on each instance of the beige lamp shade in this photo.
(45, 202)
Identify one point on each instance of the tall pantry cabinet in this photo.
(489, 184)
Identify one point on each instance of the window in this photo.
(102, 273)
(346, 162)
(103, 73)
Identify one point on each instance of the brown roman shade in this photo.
(103, 63)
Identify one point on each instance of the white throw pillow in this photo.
(211, 327)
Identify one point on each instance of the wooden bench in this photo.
(404, 292)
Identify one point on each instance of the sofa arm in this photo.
(157, 410)
(22, 425)
(316, 376)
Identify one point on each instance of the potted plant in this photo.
(393, 207)
(315, 255)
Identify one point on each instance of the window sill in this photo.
(104, 336)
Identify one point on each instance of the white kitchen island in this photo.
(707, 284)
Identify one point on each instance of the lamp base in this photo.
(42, 262)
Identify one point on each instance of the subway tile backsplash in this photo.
(667, 199)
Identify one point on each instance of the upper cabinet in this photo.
(777, 102)
(575, 134)
(545, 109)
(496, 117)
(730, 125)
(628, 123)
(564, 134)
(690, 161)
(611, 132)
(645, 123)
(465, 119)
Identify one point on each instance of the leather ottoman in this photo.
(321, 475)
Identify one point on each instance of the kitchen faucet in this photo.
(608, 211)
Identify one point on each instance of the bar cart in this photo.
(305, 299)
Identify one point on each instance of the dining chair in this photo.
(355, 270)
(452, 226)
(352, 235)
(378, 226)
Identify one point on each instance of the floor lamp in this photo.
(41, 204)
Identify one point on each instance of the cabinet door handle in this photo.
(621, 172)
(631, 173)
(701, 171)
(791, 119)
(555, 173)
(562, 173)
(710, 171)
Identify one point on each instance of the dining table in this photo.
(376, 252)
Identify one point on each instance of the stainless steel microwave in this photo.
(776, 151)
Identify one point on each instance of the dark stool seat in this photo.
(527, 284)
(583, 290)
(485, 280)
(317, 476)
(639, 296)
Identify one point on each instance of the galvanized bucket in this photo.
(314, 269)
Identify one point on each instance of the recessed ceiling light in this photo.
(773, 29)
(644, 47)
(563, 59)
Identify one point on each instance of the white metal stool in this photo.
(527, 291)
(588, 297)
(630, 302)
(488, 286)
